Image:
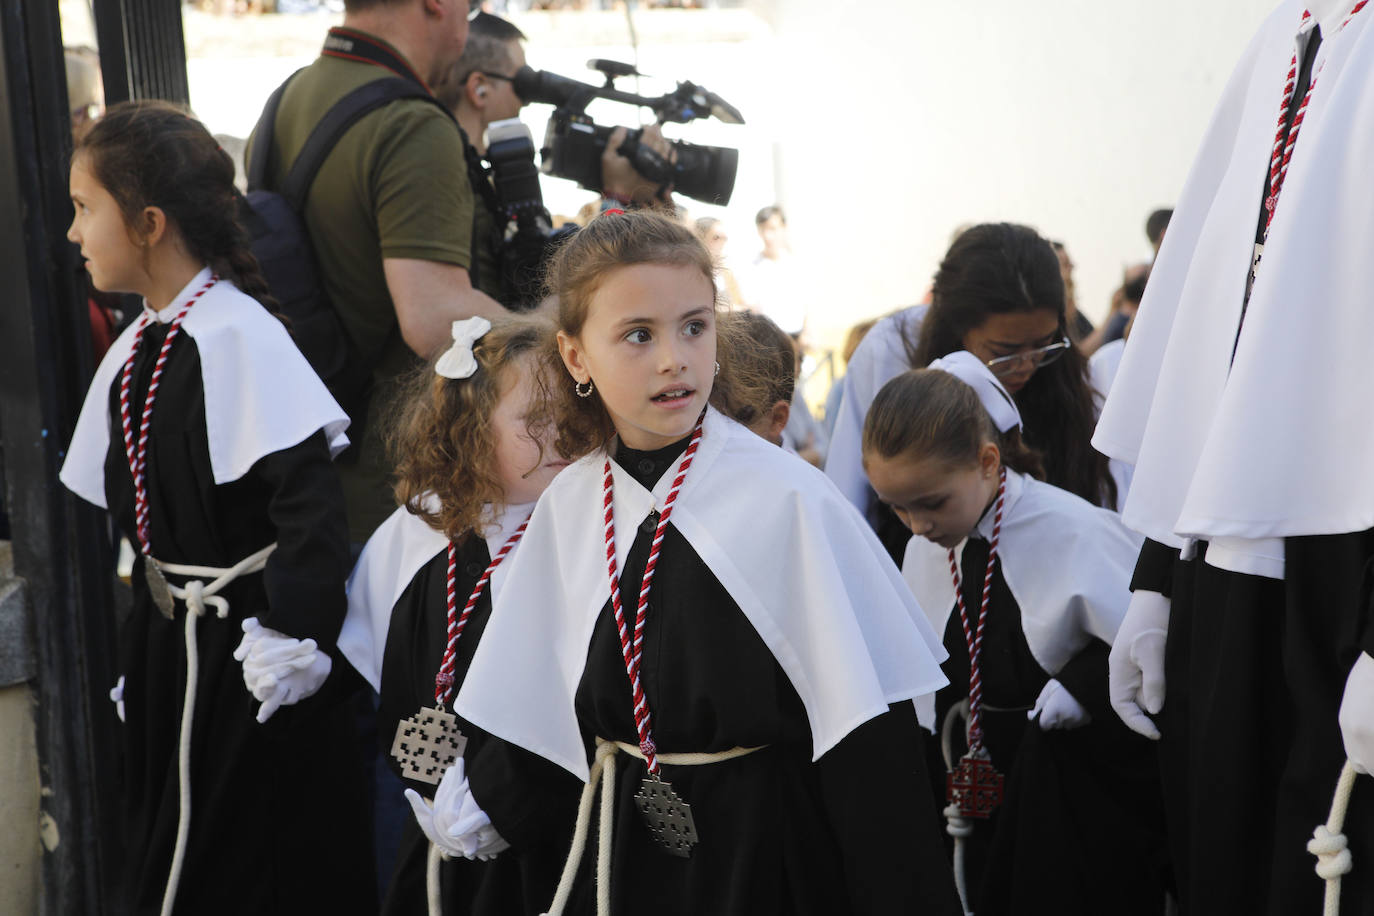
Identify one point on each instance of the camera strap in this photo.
(350, 44)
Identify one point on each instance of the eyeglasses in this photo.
(1041, 356)
(495, 76)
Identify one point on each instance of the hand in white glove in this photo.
(1057, 708)
(455, 823)
(1135, 668)
(1357, 714)
(279, 670)
(117, 697)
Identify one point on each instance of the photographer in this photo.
(480, 91)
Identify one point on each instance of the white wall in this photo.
(1076, 116)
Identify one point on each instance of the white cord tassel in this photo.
(1328, 843)
(434, 893)
(961, 828)
(188, 705)
(197, 595)
(602, 764)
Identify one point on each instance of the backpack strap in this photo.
(336, 122)
(262, 137)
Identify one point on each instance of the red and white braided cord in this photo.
(443, 681)
(137, 452)
(973, 637)
(632, 649)
(1285, 140)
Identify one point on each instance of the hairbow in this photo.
(458, 361)
(973, 372)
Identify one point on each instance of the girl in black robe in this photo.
(469, 471)
(1079, 829)
(762, 657)
(238, 452)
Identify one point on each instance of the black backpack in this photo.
(282, 245)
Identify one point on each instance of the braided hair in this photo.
(154, 154)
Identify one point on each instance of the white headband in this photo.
(973, 372)
(458, 361)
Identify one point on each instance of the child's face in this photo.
(649, 346)
(111, 254)
(525, 464)
(938, 501)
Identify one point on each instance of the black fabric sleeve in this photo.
(305, 575)
(1154, 569)
(528, 798)
(1085, 676)
(876, 793)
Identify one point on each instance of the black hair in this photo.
(1156, 223)
(1000, 268)
(153, 154)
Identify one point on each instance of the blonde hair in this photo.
(441, 440)
(578, 269)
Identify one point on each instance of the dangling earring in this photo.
(717, 367)
(578, 387)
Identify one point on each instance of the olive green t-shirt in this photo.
(395, 186)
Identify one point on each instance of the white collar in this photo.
(1067, 563)
(261, 396)
(830, 605)
(1272, 445)
(165, 315)
(391, 559)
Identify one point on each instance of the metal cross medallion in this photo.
(427, 744)
(974, 786)
(667, 816)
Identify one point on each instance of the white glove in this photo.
(279, 670)
(455, 823)
(117, 697)
(1057, 708)
(1357, 714)
(1135, 668)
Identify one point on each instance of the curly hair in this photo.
(440, 438)
(153, 154)
(766, 355)
(997, 268)
(929, 414)
(576, 272)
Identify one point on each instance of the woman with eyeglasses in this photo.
(999, 294)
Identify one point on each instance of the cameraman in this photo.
(479, 90)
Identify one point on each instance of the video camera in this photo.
(573, 148)
(573, 143)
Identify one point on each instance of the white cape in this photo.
(261, 396)
(1067, 563)
(879, 358)
(391, 558)
(1278, 443)
(807, 572)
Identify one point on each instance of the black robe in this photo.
(1255, 670)
(522, 879)
(1079, 830)
(264, 798)
(854, 833)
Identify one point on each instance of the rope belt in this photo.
(197, 596)
(1328, 843)
(603, 766)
